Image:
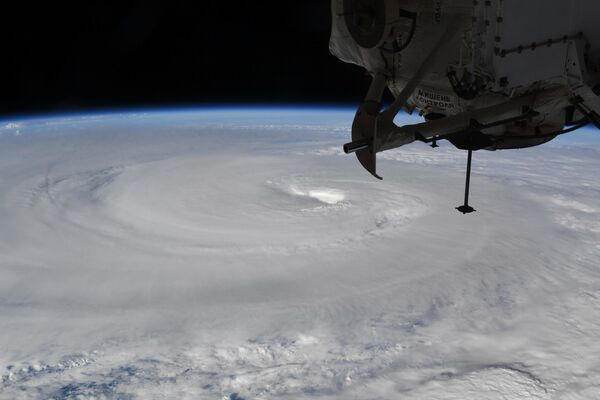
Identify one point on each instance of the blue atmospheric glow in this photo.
(307, 115)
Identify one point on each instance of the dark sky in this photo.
(116, 54)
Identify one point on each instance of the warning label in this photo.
(426, 98)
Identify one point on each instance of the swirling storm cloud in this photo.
(238, 254)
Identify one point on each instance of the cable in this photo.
(573, 128)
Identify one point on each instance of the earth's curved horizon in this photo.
(237, 253)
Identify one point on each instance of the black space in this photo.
(99, 54)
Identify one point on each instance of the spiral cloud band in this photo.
(238, 254)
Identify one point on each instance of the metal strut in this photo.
(466, 208)
(373, 127)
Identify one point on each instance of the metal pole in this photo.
(468, 183)
(466, 208)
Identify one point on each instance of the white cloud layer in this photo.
(241, 256)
